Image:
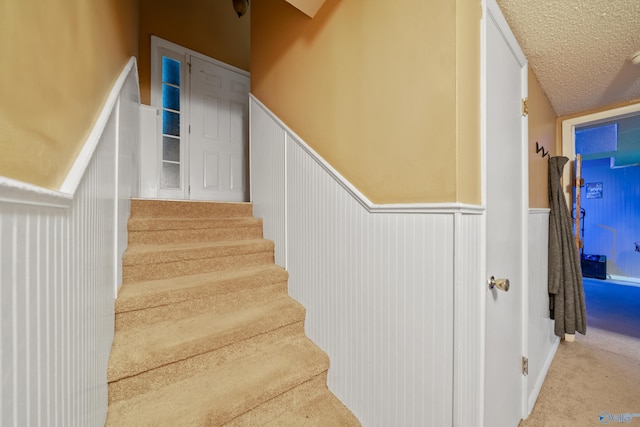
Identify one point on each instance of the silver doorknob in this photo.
(502, 284)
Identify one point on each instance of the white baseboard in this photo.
(533, 397)
(632, 281)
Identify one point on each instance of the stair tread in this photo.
(153, 293)
(188, 209)
(146, 224)
(140, 349)
(309, 404)
(162, 253)
(169, 247)
(206, 332)
(222, 390)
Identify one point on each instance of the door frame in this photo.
(491, 11)
(159, 45)
(568, 138)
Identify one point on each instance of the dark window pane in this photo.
(170, 97)
(170, 123)
(170, 149)
(170, 71)
(170, 175)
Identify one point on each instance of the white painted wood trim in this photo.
(495, 14)
(13, 191)
(74, 176)
(149, 176)
(533, 397)
(482, 301)
(539, 211)
(361, 198)
(524, 204)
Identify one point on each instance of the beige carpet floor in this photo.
(595, 380)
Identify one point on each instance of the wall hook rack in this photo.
(540, 148)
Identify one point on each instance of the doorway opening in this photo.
(609, 143)
(195, 133)
(611, 200)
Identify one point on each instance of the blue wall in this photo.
(612, 223)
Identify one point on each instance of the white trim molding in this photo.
(13, 191)
(81, 163)
(448, 208)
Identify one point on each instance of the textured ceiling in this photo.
(579, 49)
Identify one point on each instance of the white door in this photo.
(218, 138)
(506, 202)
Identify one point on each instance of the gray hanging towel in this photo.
(566, 293)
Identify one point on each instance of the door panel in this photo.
(218, 143)
(505, 215)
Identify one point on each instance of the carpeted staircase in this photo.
(206, 333)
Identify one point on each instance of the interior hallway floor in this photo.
(596, 379)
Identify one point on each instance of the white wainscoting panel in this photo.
(128, 159)
(378, 283)
(543, 343)
(148, 174)
(268, 185)
(469, 318)
(58, 273)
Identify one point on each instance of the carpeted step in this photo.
(188, 209)
(206, 333)
(164, 292)
(150, 262)
(187, 331)
(216, 387)
(309, 404)
(170, 230)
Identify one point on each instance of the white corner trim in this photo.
(543, 374)
(371, 207)
(13, 191)
(71, 182)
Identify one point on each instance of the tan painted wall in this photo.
(469, 166)
(210, 27)
(386, 92)
(59, 61)
(542, 123)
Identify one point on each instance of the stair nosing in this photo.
(155, 288)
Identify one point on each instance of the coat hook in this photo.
(540, 148)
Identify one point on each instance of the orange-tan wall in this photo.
(210, 27)
(542, 129)
(387, 92)
(59, 62)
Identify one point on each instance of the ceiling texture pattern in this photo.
(579, 49)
